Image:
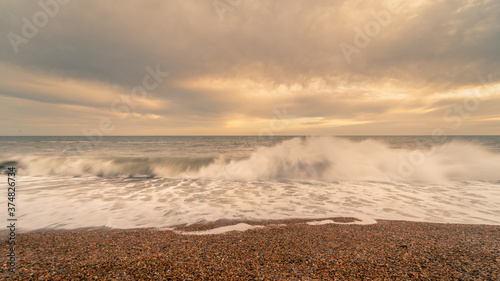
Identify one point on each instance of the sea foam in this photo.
(315, 158)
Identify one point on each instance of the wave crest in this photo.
(334, 159)
(109, 167)
(316, 158)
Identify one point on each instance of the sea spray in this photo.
(314, 158)
(130, 182)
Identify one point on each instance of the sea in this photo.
(69, 183)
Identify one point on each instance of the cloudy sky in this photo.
(248, 67)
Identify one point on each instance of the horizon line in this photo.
(267, 136)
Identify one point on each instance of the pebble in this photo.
(282, 250)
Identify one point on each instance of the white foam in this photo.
(314, 158)
(337, 159)
(314, 178)
(365, 220)
(321, 222)
(221, 230)
(69, 203)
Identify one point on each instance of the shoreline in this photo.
(279, 249)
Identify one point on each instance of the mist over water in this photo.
(127, 182)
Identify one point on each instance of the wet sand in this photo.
(283, 250)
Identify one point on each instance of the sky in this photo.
(249, 67)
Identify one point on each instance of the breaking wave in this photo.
(107, 166)
(313, 158)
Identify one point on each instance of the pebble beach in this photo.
(269, 250)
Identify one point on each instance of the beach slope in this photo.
(286, 250)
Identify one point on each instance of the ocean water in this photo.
(68, 183)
